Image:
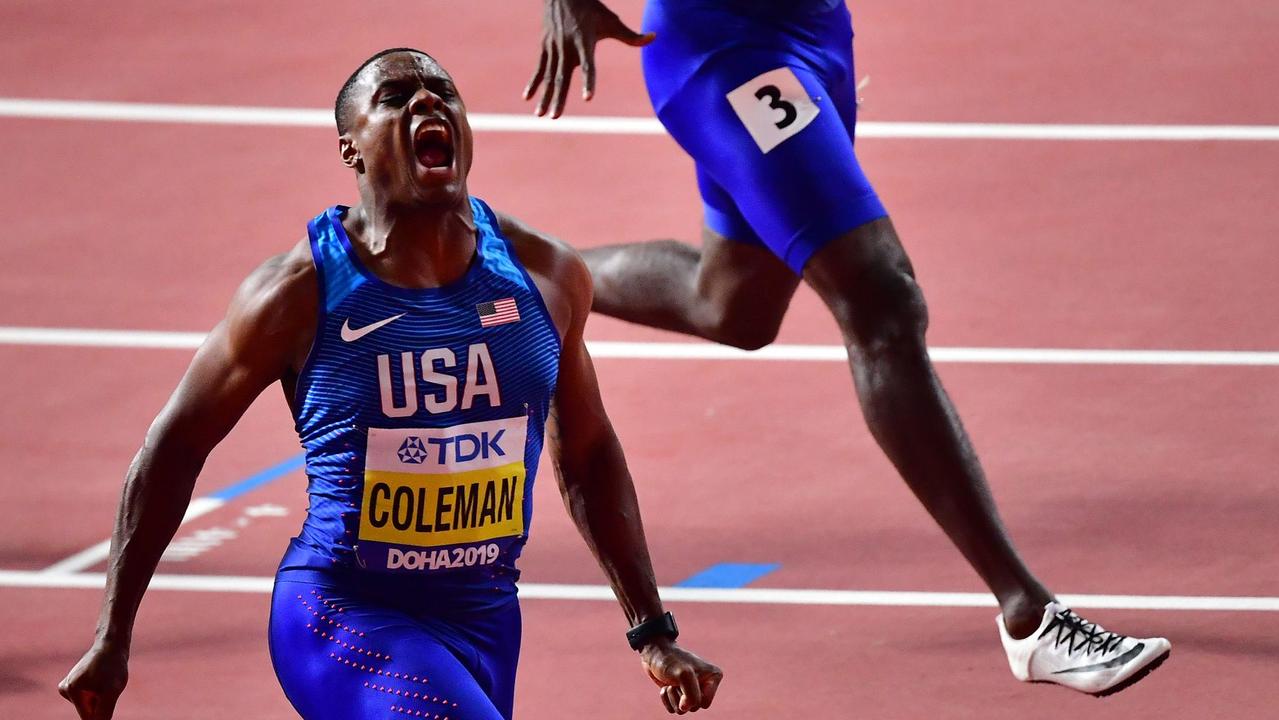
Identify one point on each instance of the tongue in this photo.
(433, 156)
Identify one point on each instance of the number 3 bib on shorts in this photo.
(773, 107)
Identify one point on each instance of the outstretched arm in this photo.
(570, 29)
(252, 347)
(600, 497)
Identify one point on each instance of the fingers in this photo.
(79, 698)
(565, 47)
(563, 78)
(586, 55)
(91, 707)
(640, 40)
(620, 31)
(86, 703)
(106, 706)
(548, 90)
(710, 684)
(687, 683)
(670, 698)
(89, 704)
(537, 75)
(558, 59)
(690, 690)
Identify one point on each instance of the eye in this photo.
(394, 99)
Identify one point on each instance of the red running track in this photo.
(1115, 479)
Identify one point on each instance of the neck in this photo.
(413, 247)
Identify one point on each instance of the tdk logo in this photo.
(457, 449)
(462, 448)
(412, 451)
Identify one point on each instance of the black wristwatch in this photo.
(642, 634)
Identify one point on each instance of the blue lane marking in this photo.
(729, 575)
(261, 478)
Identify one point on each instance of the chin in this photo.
(441, 195)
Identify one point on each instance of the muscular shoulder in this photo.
(275, 307)
(559, 271)
(278, 286)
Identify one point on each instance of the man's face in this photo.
(408, 131)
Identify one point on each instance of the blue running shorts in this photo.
(763, 97)
(343, 654)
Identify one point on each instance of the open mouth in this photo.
(433, 144)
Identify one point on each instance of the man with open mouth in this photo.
(423, 343)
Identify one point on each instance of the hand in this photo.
(570, 29)
(688, 682)
(95, 683)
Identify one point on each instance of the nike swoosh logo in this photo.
(1112, 663)
(350, 334)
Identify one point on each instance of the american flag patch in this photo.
(498, 312)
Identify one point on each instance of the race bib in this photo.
(433, 487)
(773, 107)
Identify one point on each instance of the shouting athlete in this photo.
(422, 342)
(760, 93)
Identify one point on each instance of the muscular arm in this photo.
(266, 327)
(591, 469)
(592, 474)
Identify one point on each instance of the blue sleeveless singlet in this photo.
(422, 414)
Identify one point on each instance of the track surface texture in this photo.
(1119, 479)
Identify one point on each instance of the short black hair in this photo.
(341, 113)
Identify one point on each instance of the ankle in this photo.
(1023, 614)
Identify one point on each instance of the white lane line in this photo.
(85, 337)
(597, 125)
(163, 113)
(759, 596)
(96, 553)
(1057, 131)
(1013, 356)
(693, 350)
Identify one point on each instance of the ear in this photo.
(349, 153)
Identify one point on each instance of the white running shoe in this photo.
(1084, 656)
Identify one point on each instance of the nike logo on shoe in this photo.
(350, 334)
(1112, 663)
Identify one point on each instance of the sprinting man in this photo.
(761, 95)
(423, 342)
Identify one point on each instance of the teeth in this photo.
(432, 128)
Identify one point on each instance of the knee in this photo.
(882, 311)
(743, 330)
(747, 318)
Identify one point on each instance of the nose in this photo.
(424, 102)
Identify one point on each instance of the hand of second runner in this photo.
(570, 29)
(688, 683)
